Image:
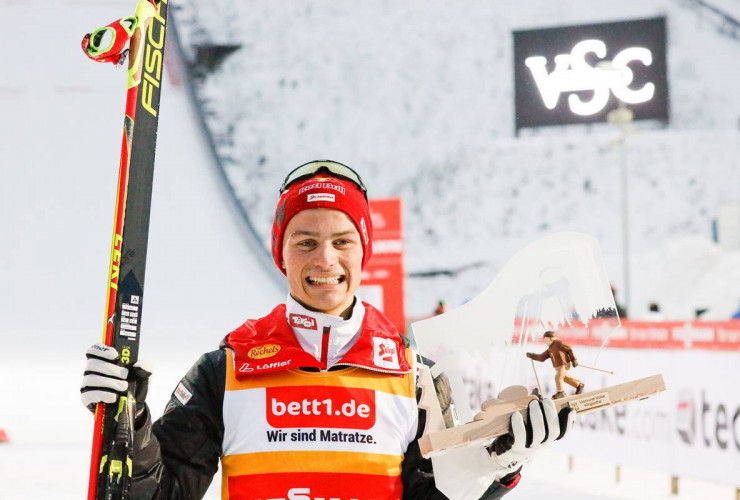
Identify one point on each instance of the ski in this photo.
(144, 33)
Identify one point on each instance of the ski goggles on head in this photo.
(338, 170)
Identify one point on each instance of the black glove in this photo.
(104, 380)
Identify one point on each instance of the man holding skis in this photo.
(318, 399)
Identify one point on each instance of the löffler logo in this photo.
(247, 368)
(338, 407)
(302, 321)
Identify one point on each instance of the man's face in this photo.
(548, 341)
(322, 258)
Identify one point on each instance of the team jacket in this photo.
(292, 418)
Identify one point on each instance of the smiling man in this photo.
(318, 399)
(322, 258)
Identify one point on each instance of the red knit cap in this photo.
(322, 191)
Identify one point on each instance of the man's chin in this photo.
(330, 305)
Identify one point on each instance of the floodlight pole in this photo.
(623, 117)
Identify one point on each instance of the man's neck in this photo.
(309, 327)
(346, 314)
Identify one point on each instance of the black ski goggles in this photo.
(338, 170)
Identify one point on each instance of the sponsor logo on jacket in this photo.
(320, 406)
(183, 394)
(312, 486)
(263, 351)
(247, 368)
(385, 354)
(302, 321)
(305, 494)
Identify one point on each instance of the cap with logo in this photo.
(322, 184)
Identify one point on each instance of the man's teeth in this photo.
(328, 280)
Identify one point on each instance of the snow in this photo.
(694, 273)
(421, 104)
(58, 170)
(418, 96)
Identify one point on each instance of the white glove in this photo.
(524, 441)
(466, 473)
(104, 380)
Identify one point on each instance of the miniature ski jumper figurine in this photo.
(318, 399)
(562, 357)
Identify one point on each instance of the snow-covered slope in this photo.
(418, 96)
(61, 138)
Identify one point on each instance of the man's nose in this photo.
(327, 255)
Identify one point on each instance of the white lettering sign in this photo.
(572, 73)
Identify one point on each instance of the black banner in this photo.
(578, 74)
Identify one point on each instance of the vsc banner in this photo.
(578, 74)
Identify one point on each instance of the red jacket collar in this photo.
(269, 345)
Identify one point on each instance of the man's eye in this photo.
(307, 243)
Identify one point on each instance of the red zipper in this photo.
(325, 347)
